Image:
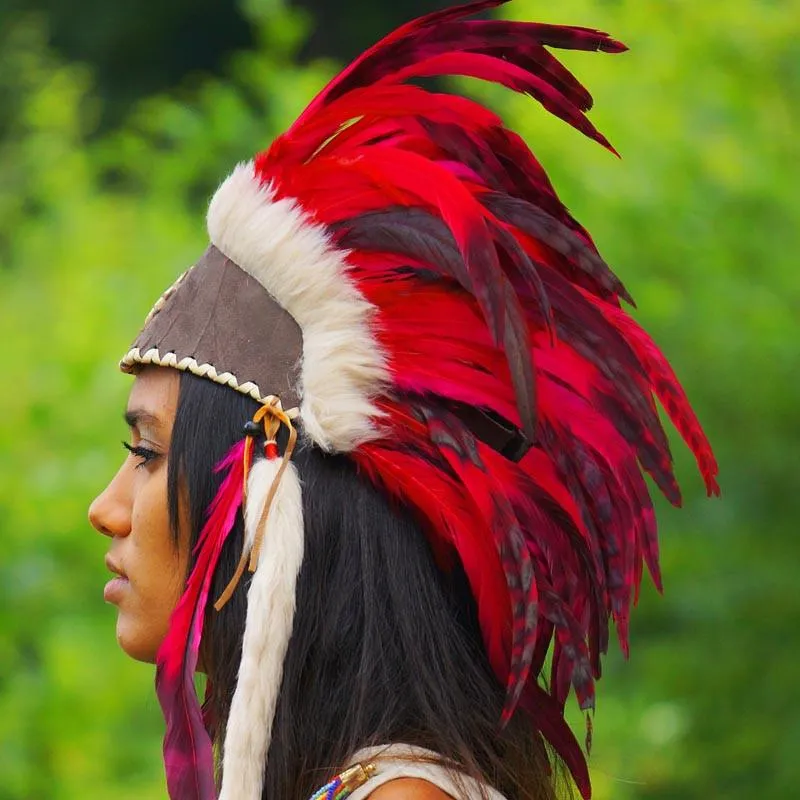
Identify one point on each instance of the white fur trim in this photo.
(277, 242)
(270, 617)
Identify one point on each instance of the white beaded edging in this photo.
(189, 364)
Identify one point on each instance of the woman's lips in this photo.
(114, 589)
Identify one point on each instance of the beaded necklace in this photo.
(346, 783)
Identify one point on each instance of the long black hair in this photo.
(385, 647)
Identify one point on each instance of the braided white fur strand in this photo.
(270, 617)
(281, 246)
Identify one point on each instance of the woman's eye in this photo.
(144, 453)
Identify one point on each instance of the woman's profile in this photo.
(388, 445)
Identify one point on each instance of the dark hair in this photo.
(385, 647)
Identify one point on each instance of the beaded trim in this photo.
(189, 364)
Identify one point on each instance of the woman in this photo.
(387, 441)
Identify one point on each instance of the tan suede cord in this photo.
(271, 416)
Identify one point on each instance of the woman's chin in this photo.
(139, 644)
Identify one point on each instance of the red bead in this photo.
(271, 450)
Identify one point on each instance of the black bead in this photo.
(252, 429)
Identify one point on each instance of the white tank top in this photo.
(406, 761)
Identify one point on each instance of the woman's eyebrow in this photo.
(136, 418)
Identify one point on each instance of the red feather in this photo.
(463, 454)
(548, 717)
(489, 68)
(341, 82)
(448, 514)
(670, 393)
(489, 294)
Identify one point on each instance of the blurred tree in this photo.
(702, 221)
(342, 31)
(136, 50)
(87, 230)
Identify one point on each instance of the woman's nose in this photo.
(109, 514)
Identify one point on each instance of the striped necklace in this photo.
(346, 783)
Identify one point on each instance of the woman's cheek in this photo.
(143, 619)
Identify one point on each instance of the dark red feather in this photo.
(497, 70)
(489, 294)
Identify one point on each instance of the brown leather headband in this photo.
(219, 322)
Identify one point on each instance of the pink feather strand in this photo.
(188, 755)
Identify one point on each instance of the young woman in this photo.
(387, 442)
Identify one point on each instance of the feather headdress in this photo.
(447, 323)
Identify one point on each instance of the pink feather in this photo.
(188, 755)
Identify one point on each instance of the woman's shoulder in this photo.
(406, 772)
(408, 789)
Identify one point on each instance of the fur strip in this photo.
(270, 617)
(277, 243)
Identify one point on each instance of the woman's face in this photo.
(132, 511)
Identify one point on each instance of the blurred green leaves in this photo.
(91, 230)
(701, 221)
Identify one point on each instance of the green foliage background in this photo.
(701, 221)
